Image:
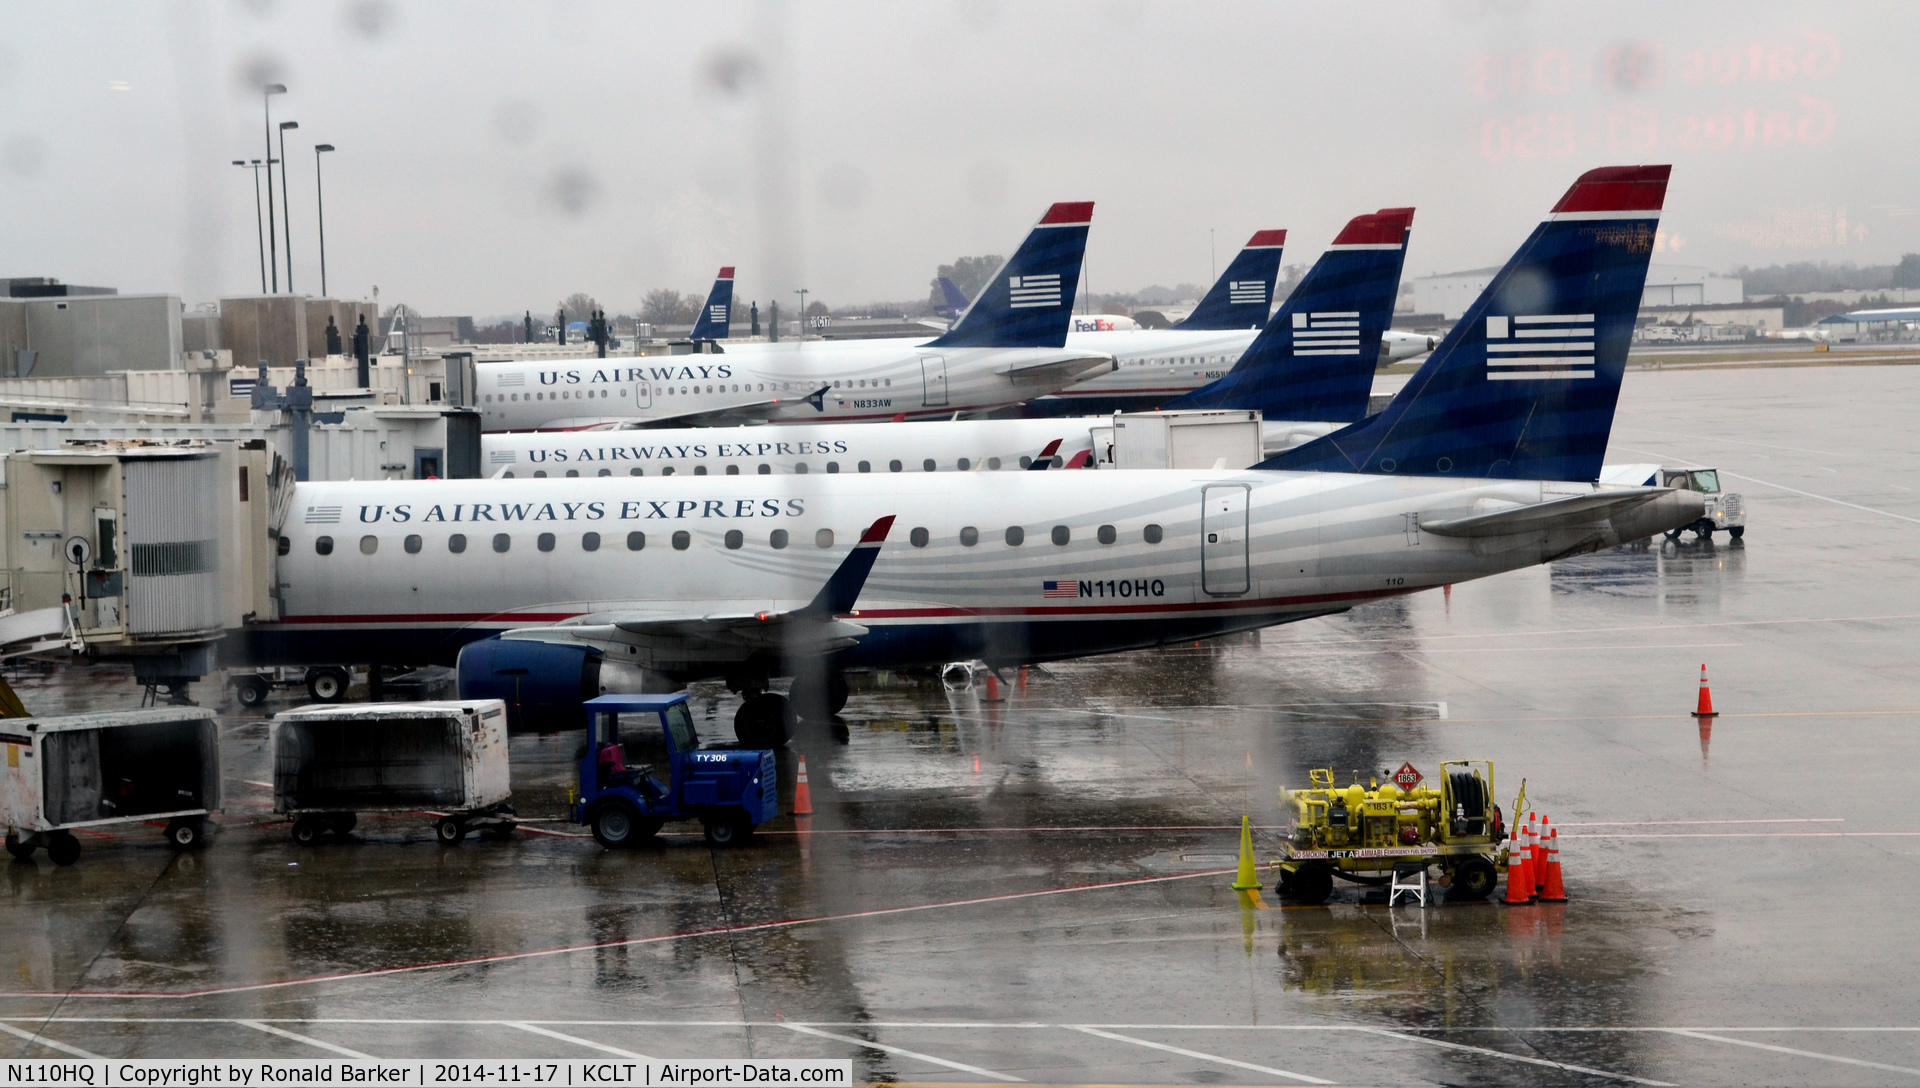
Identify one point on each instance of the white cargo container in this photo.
(331, 763)
(1202, 439)
(118, 767)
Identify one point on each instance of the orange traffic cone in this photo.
(1519, 881)
(1705, 709)
(1539, 858)
(993, 689)
(1555, 889)
(1023, 678)
(802, 793)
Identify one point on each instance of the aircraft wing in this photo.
(1061, 370)
(790, 628)
(1556, 514)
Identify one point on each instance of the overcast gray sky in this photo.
(494, 158)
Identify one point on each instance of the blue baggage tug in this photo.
(729, 789)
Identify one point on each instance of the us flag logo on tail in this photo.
(1332, 332)
(1031, 292)
(1060, 589)
(1239, 291)
(718, 313)
(1539, 347)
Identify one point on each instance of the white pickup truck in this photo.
(1726, 510)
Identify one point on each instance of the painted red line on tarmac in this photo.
(710, 931)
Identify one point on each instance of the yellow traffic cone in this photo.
(1247, 880)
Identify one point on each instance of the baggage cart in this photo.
(448, 759)
(114, 767)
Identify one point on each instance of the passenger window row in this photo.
(733, 539)
(800, 468)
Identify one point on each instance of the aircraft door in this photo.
(933, 378)
(1223, 540)
(643, 394)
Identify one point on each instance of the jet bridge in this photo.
(141, 550)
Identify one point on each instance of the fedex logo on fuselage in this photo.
(636, 510)
(613, 375)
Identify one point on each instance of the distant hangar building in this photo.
(1667, 285)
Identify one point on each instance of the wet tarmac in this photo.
(1038, 890)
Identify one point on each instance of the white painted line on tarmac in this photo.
(35, 1037)
(1792, 1051)
(1200, 1056)
(903, 1052)
(298, 1038)
(1549, 1063)
(575, 1040)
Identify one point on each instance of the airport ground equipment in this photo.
(728, 788)
(332, 763)
(324, 683)
(1725, 509)
(97, 770)
(1365, 833)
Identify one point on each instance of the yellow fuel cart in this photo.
(1362, 833)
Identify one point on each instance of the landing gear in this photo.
(764, 720)
(328, 683)
(818, 693)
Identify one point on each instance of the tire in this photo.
(186, 834)
(342, 823)
(449, 831)
(1737, 532)
(20, 850)
(63, 848)
(1474, 878)
(1674, 534)
(1703, 533)
(764, 720)
(616, 825)
(731, 830)
(252, 691)
(327, 685)
(1284, 886)
(307, 830)
(1312, 883)
(818, 693)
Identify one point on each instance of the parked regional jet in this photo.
(1485, 462)
(715, 318)
(1310, 371)
(1007, 348)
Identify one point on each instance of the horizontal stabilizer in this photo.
(1567, 513)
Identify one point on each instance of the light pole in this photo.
(320, 198)
(802, 292)
(259, 223)
(285, 204)
(273, 232)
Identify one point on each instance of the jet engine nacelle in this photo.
(544, 684)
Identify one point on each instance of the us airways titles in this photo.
(638, 510)
(663, 453)
(637, 374)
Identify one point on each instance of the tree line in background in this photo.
(1806, 277)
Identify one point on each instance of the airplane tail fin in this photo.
(714, 316)
(1028, 303)
(1315, 359)
(1242, 296)
(1524, 387)
(956, 299)
(1045, 460)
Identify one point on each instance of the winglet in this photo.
(843, 587)
(1243, 294)
(1041, 463)
(1029, 301)
(715, 316)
